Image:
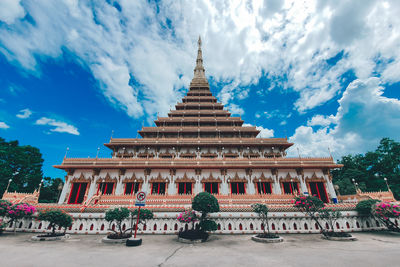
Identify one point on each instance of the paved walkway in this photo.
(372, 249)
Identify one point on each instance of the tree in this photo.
(144, 215)
(369, 170)
(310, 206)
(22, 164)
(331, 216)
(56, 217)
(50, 192)
(385, 212)
(4, 205)
(118, 215)
(206, 203)
(16, 212)
(262, 211)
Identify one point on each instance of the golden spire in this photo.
(199, 78)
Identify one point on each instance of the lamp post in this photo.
(9, 182)
(59, 188)
(355, 184)
(385, 179)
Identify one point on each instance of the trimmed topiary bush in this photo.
(364, 207)
(204, 203)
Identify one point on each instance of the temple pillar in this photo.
(92, 187)
(277, 186)
(119, 188)
(172, 184)
(251, 189)
(65, 190)
(303, 186)
(224, 184)
(330, 189)
(224, 188)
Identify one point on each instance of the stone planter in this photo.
(266, 240)
(188, 241)
(336, 238)
(114, 241)
(50, 238)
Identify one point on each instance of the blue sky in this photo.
(323, 73)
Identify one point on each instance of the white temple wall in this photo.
(228, 222)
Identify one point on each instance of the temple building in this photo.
(198, 147)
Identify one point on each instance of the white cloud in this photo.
(3, 125)
(235, 109)
(24, 113)
(321, 120)
(362, 119)
(11, 10)
(143, 55)
(60, 126)
(264, 132)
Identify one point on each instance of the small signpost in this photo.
(140, 202)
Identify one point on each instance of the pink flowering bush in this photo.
(4, 204)
(188, 216)
(310, 206)
(19, 211)
(385, 211)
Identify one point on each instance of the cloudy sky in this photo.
(323, 73)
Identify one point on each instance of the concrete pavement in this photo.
(372, 249)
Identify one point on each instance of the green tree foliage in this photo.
(364, 207)
(56, 218)
(208, 225)
(205, 203)
(118, 215)
(144, 216)
(22, 164)
(369, 170)
(310, 206)
(331, 216)
(50, 191)
(262, 211)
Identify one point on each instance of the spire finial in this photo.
(199, 72)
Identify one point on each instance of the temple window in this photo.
(185, 188)
(105, 188)
(131, 188)
(77, 193)
(318, 189)
(290, 187)
(158, 188)
(264, 187)
(238, 188)
(212, 188)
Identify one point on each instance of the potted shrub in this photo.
(266, 236)
(56, 218)
(117, 215)
(204, 203)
